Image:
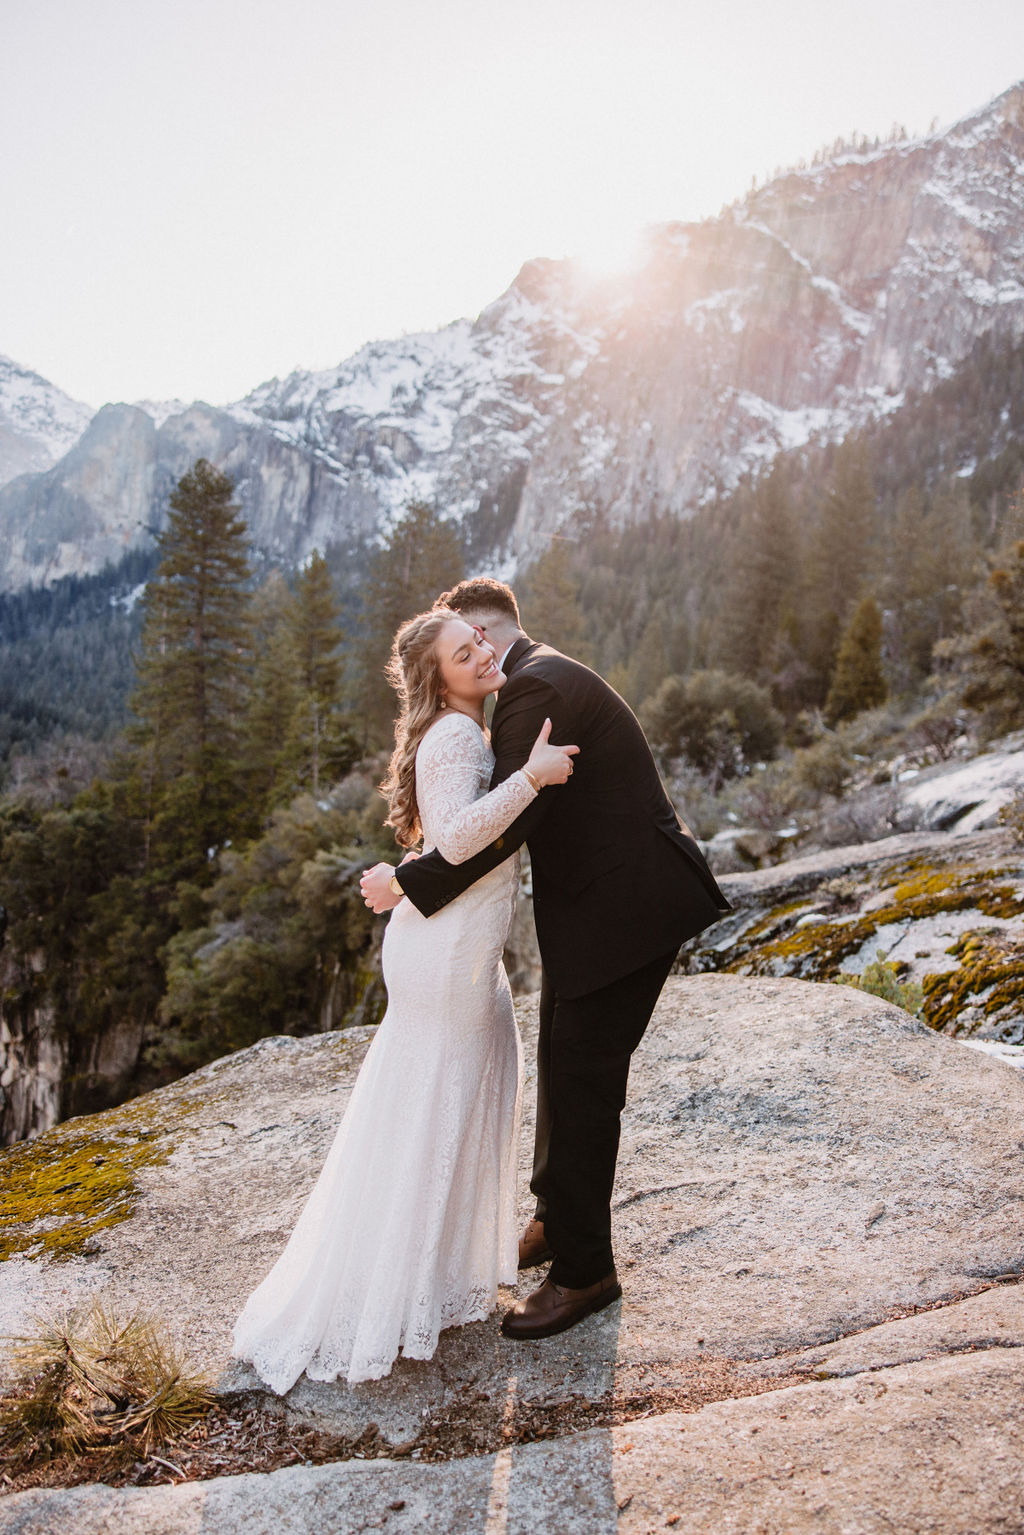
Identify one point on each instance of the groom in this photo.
(618, 885)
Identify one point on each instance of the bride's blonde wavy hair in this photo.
(414, 672)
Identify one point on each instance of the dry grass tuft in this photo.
(94, 1381)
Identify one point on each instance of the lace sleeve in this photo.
(456, 818)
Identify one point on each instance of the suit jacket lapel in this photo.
(516, 654)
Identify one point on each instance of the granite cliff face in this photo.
(812, 305)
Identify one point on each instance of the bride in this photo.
(410, 1227)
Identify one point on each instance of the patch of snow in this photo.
(880, 402)
(790, 428)
(1013, 1055)
(161, 410)
(128, 600)
(966, 212)
(723, 306)
(969, 797)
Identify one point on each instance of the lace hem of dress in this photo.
(419, 1341)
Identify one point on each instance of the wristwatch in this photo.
(396, 888)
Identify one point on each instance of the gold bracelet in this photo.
(532, 780)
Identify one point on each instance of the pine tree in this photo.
(135, 850)
(992, 653)
(319, 742)
(274, 699)
(840, 555)
(550, 605)
(421, 558)
(857, 681)
(750, 638)
(193, 677)
(903, 591)
(929, 556)
(648, 661)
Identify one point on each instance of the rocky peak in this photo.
(38, 421)
(99, 497)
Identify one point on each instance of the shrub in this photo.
(882, 979)
(824, 768)
(933, 734)
(719, 722)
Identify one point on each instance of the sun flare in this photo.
(610, 250)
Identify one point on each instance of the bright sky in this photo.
(200, 194)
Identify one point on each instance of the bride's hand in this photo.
(550, 764)
(375, 888)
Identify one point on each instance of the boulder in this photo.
(968, 797)
(947, 911)
(818, 1231)
(926, 1449)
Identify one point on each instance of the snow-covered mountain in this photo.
(808, 307)
(38, 422)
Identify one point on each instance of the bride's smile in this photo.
(469, 668)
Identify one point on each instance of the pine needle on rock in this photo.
(95, 1380)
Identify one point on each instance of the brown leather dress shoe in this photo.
(533, 1246)
(554, 1308)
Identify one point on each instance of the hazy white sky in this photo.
(200, 194)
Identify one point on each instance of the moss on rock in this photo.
(61, 1189)
(911, 890)
(988, 981)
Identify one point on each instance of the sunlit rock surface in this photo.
(803, 1169)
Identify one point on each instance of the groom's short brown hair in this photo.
(482, 594)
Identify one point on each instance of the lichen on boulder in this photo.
(945, 912)
(59, 1191)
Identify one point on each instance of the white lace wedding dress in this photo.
(411, 1225)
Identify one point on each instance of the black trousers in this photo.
(583, 1055)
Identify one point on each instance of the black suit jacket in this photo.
(616, 880)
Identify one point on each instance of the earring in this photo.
(443, 704)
